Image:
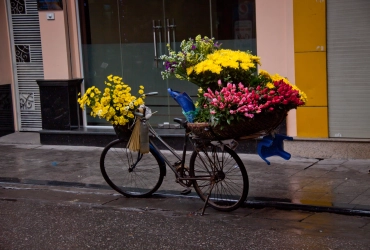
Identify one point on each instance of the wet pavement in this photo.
(50, 217)
(331, 185)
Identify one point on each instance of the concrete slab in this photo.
(21, 138)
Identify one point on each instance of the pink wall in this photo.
(60, 45)
(275, 43)
(6, 69)
(55, 53)
(6, 76)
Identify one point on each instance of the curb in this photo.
(251, 202)
(310, 208)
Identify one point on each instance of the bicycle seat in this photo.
(183, 123)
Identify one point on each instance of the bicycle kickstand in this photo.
(206, 202)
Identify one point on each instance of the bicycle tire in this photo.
(226, 171)
(142, 181)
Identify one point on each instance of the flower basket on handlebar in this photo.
(115, 103)
(123, 131)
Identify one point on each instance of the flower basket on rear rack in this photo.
(261, 124)
(235, 99)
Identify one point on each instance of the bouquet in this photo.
(193, 51)
(236, 102)
(116, 104)
(231, 90)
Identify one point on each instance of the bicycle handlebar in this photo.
(144, 115)
(151, 93)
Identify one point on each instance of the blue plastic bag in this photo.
(186, 103)
(182, 99)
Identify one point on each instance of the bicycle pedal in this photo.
(186, 191)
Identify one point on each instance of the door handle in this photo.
(171, 27)
(155, 29)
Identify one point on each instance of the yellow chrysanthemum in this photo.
(189, 70)
(115, 101)
(277, 77)
(264, 73)
(303, 96)
(270, 85)
(140, 101)
(224, 58)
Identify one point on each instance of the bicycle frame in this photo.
(181, 158)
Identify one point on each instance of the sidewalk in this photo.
(331, 185)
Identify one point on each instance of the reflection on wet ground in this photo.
(316, 182)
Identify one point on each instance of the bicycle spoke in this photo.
(228, 177)
(130, 173)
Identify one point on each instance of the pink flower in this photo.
(248, 115)
(241, 86)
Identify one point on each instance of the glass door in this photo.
(144, 39)
(126, 38)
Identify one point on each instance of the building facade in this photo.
(321, 46)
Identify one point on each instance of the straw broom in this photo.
(138, 140)
(134, 142)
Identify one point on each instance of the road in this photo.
(47, 217)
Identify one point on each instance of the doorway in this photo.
(126, 38)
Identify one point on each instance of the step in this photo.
(101, 137)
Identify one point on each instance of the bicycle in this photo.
(215, 171)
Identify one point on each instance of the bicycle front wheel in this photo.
(219, 173)
(130, 173)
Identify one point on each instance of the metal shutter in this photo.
(348, 55)
(27, 61)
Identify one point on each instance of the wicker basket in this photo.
(202, 130)
(261, 123)
(123, 131)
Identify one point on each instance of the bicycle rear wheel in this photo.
(221, 174)
(130, 173)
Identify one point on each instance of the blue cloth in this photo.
(186, 103)
(270, 146)
(190, 115)
(182, 99)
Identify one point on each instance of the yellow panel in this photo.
(310, 77)
(309, 25)
(312, 122)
